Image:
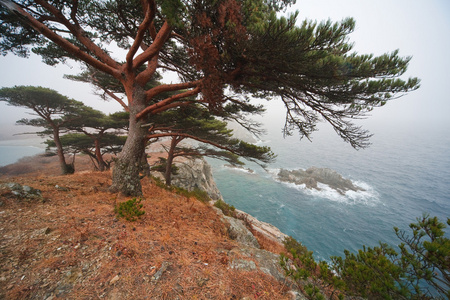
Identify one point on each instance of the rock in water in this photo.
(314, 175)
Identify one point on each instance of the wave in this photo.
(239, 169)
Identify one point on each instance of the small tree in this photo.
(55, 112)
(93, 146)
(98, 126)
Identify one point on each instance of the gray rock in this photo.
(22, 191)
(239, 232)
(195, 173)
(243, 265)
(266, 261)
(314, 175)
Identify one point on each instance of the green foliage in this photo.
(313, 292)
(419, 271)
(131, 210)
(370, 272)
(303, 260)
(302, 267)
(227, 209)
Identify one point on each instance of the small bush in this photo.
(227, 209)
(131, 210)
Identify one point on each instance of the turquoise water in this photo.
(406, 172)
(11, 154)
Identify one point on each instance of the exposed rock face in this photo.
(268, 230)
(195, 173)
(237, 231)
(249, 257)
(22, 191)
(314, 175)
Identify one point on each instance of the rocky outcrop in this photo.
(192, 174)
(268, 230)
(248, 256)
(21, 191)
(239, 232)
(312, 176)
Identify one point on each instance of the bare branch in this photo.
(154, 48)
(149, 9)
(166, 103)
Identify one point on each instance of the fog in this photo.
(419, 29)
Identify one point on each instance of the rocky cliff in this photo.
(192, 174)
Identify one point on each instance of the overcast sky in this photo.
(418, 28)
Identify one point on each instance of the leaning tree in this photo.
(217, 49)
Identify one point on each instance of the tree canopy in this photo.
(224, 52)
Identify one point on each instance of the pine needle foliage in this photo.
(130, 210)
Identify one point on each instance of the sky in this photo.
(420, 29)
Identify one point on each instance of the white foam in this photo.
(243, 170)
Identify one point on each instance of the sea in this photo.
(405, 173)
(12, 150)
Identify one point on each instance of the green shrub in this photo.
(131, 210)
(306, 268)
(227, 209)
(419, 271)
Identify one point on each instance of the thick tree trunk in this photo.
(125, 176)
(65, 167)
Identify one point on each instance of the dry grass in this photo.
(72, 245)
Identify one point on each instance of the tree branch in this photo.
(63, 43)
(149, 9)
(165, 104)
(169, 88)
(154, 48)
(79, 34)
(143, 77)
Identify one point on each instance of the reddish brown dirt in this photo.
(71, 244)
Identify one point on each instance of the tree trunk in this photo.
(125, 176)
(102, 166)
(145, 165)
(169, 161)
(65, 167)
